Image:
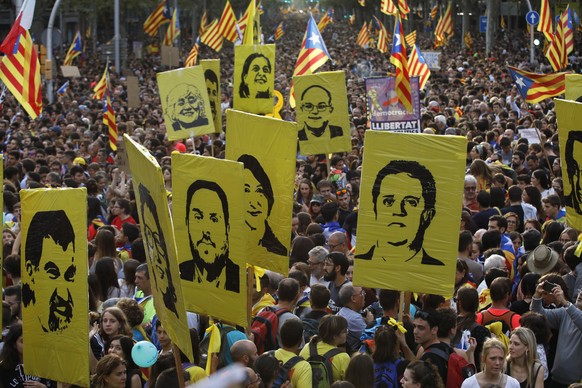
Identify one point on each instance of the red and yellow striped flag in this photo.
(404, 9)
(411, 39)
(382, 45)
(212, 37)
(557, 53)
(203, 24)
(109, 121)
(417, 66)
(325, 20)
(173, 30)
(363, 37)
(74, 51)
(279, 31)
(193, 56)
(434, 11)
(161, 15)
(227, 24)
(400, 60)
(99, 89)
(469, 40)
(545, 24)
(388, 7)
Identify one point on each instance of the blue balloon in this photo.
(144, 354)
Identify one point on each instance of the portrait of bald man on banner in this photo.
(407, 209)
(322, 113)
(185, 103)
(212, 78)
(254, 78)
(208, 223)
(54, 283)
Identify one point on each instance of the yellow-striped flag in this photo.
(212, 37)
(173, 30)
(363, 36)
(227, 24)
(388, 7)
(545, 24)
(411, 39)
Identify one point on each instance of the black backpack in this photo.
(224, 330)
(284, 369)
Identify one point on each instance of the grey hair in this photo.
(319, 253)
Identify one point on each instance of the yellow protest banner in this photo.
(568, 115)
(207, 208)
(185, 103)
(158, 237)
(254, 78)
(322, 113)
(410, 208)
(212, 78)
(573, 87)
(55, 302)
(268, 177)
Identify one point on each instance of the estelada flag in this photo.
(207, 207)
(55, 301)
(323, 122)
(185, 103)
(159, 243)
(410, 200)
(269, 168)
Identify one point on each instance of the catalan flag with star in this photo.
(75, 50)
(400, 60)
(312, 56)
(161, 15)
(535, 87)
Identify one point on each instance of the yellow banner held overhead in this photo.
(323, 121)
(55, 302)
(269, 170)
(573, 87)
(159, 243)
(187, 110)
(568, 115)
(410, 201)
(211, 69)
(254, 78)
(207, 208)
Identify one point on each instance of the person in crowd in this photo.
(110, 372)
(113, 322)
(122, 346)
(360, 371)
(492, 364)
(522, 362)
(421, 374)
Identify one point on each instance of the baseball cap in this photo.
(317, 199)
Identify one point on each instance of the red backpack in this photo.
(264, 328)
(458, 369)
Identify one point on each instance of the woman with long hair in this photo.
(107, 277)
(105, 247)
(360, 371)
(127, 285)
(492, 361)
(11, 368)
(304, 194)
(113, 322)
(332, 334)
(467, 326)
(421, 374)
(110, 372)
(523, 363)
(533, 196)
(551, 231)
(541, 181)
(122, 346)
(481, 171)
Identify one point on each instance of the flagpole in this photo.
(116, 37)
(49, 49)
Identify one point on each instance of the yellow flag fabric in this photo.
(185, 103)
(207, 208)
(267, 149)
(54, 284)
(159, 243)
(410, 204)
(573, 86)
(213, 346)
(323, 121)
(211, 69)
(254, 78)
(568, 115)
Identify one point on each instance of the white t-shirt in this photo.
(472, 382)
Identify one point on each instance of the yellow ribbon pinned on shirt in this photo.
(393, 322)
(213, 346)
(259, 273)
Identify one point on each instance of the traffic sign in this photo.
(482, 23)
(532, 18)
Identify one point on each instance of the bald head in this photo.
(338, 242)
(244, 352)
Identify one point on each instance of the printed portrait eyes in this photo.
(412, 201)
(70, 273)
(388, 201)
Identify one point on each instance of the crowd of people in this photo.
(514, 319)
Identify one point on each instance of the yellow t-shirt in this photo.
(339, 362)
(300, 374)
(266, 300)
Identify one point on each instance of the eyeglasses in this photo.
(320, 107)
(313, 262)
(341, 192)
(362, 293)
(332, 246)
